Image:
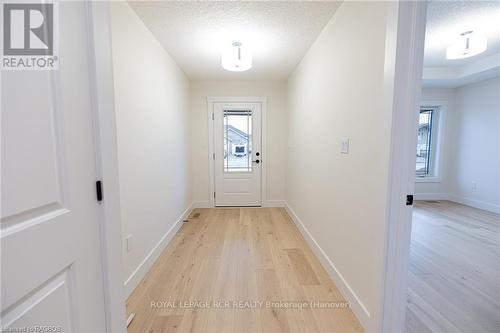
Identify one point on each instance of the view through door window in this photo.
(237, 141)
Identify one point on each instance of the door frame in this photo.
(403, 81)
(105, 145)
(211, 144)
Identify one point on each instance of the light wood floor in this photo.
(454, 283)
(238, 255)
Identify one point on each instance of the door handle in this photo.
(256, 161)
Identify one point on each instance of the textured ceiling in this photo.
(447, 19)
(278, 32)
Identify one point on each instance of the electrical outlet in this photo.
(474, 186)
(128, 242)
(344, 146)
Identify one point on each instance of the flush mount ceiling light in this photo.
(467, 45)
(236, 58)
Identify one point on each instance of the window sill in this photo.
(427, 180)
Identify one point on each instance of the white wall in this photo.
(337, 91)
(471, 148)
(276, 134)
(475, 153)
(152, 112)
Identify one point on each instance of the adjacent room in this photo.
(454, 266)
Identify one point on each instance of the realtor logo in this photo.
(29, 36)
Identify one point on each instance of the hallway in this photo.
(239, 254)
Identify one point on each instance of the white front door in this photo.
(50, 247)
(238, 154)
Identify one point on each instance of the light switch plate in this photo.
(344, 146)
(128, 241)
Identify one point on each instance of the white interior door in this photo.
(50, 246)
(238, 154)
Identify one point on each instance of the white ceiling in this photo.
(445, 21)
(278, 32)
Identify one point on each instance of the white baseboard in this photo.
(201, 204)
(275, 203)
(269, 203)
(146, 264)
(357, 306)
(431, 196)
(459, 199)
(475, 203)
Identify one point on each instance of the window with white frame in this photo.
(426, 142)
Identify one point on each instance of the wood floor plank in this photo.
(165, 324)
(273, 318)
(340, 320)
(239, 256)
(302, 268)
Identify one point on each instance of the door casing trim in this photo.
(211, 148)
(403, 77)
(103, 109)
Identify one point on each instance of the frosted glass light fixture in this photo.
(236, 58)
(467, 45)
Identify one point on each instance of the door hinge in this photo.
(214, 195)
(213, 156)
(98, 190)
(212, 116)
(409, 200)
